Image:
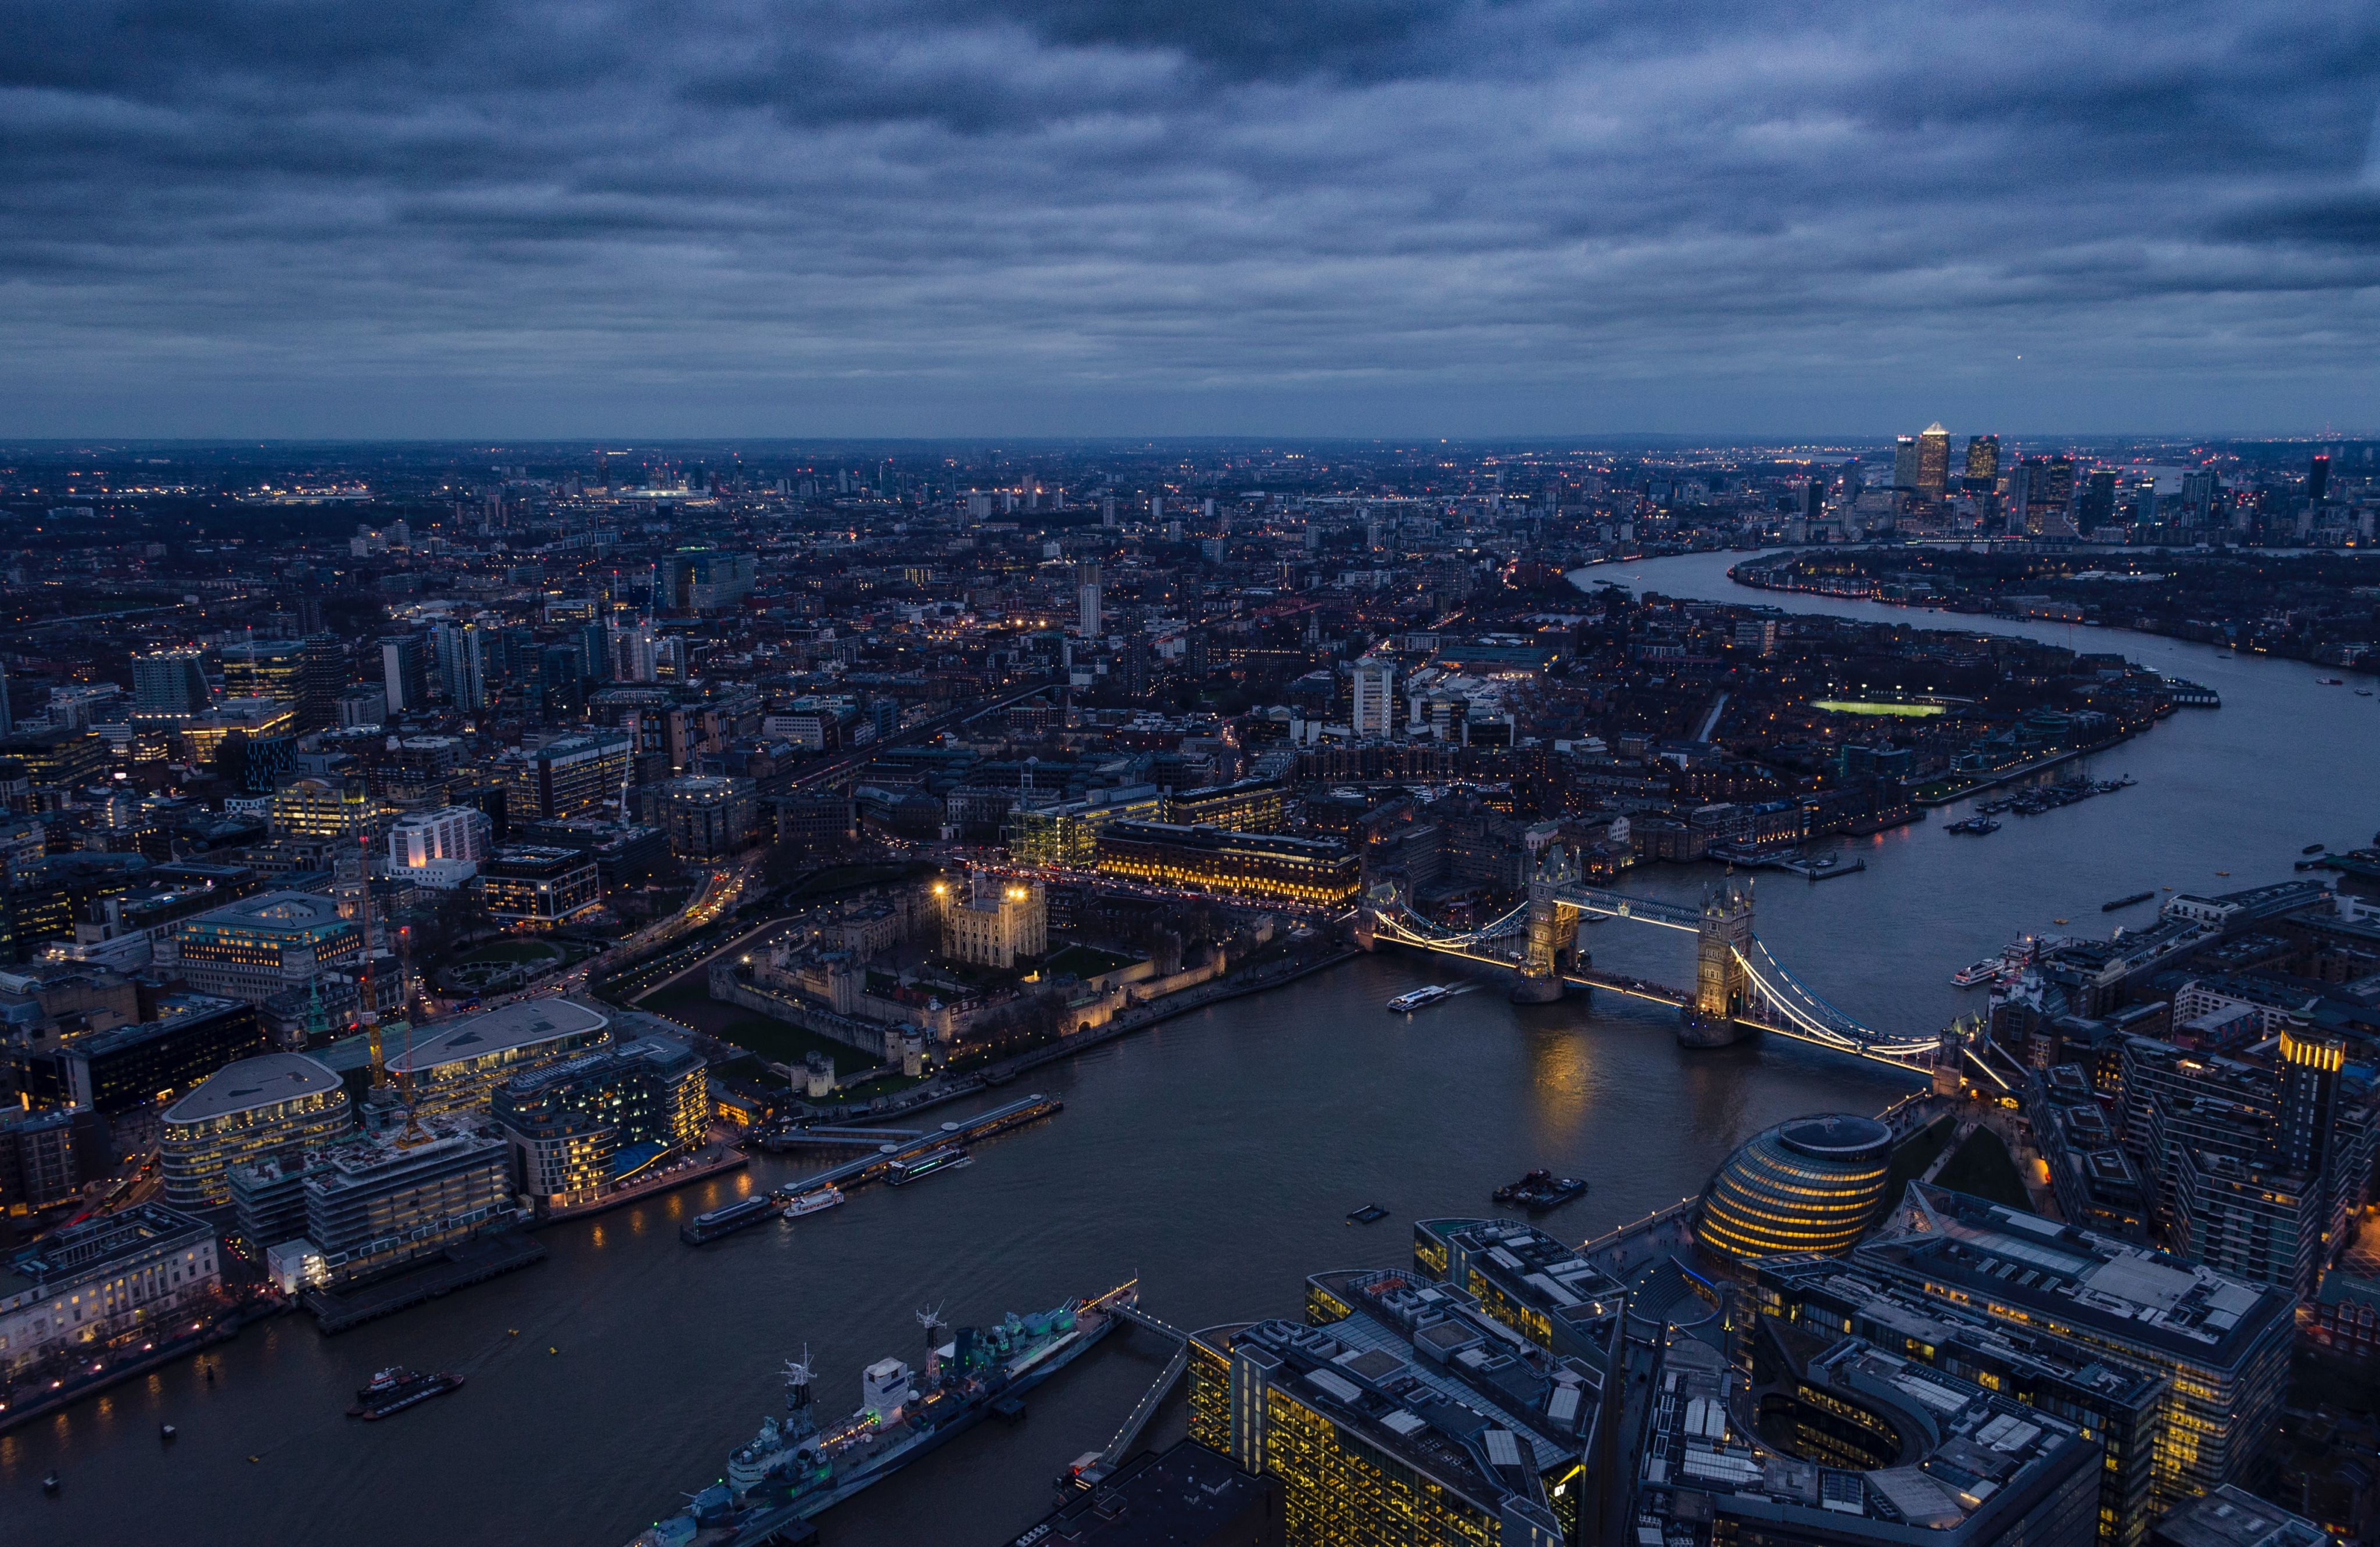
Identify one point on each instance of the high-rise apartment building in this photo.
(462, 664)
(1374, 708)
(1086, 601)
(2318, 479)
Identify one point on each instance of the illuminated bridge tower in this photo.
(1540, 981)
(1722, 986)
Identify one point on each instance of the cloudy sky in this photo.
(1018, 217)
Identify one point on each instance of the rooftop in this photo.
(499, 1031)
(2109, 1286)
(265, 1081)
(273, 910)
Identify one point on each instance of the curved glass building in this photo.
(1814, 1184)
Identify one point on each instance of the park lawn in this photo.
(773, 1041)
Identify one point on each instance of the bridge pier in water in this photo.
(1540, 979)
(1723, 985)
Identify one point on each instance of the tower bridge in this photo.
(1739, 986)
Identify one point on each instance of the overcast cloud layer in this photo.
(1461, 217)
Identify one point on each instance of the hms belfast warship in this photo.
(795, 1467)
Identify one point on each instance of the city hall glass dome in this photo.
(1814, 1184)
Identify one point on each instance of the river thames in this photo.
(1214, 1156)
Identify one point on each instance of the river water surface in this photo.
(1214, 1156)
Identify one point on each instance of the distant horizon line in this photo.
(1600, 440)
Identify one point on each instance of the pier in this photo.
(871, 1167)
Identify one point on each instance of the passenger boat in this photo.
(1428, 995)
(1979, 972)
(1540, 1190)
(901, 1173)
(816, 1200)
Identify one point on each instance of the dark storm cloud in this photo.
(1049, 215)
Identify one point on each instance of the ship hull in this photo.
(761, 1527)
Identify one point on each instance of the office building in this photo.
(706, 817)
(321, 675)
(1983, 468)
(992, 923)
(44, 1152)
(1320, 871)
(1904, 462)
(274, 669)
(2113, 1406)
(1373, 711)
(2318, 479)
(2222, 1344)
(1932, 461)
(704, 580)
(129, 1068)
(324, 808)
(265, 945)
(405, 673)
(245, 1111)
(1835, 1441)
(457, 1065)
(169, 687)
(1404, 1413)
(1086, 601)
(103, 1281)
(1814, 1184)
(540, 885)
(446, 844)
(569, 776)
(595, 1119)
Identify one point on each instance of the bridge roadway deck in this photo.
(869, 1167)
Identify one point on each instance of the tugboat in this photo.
(396, 1388)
